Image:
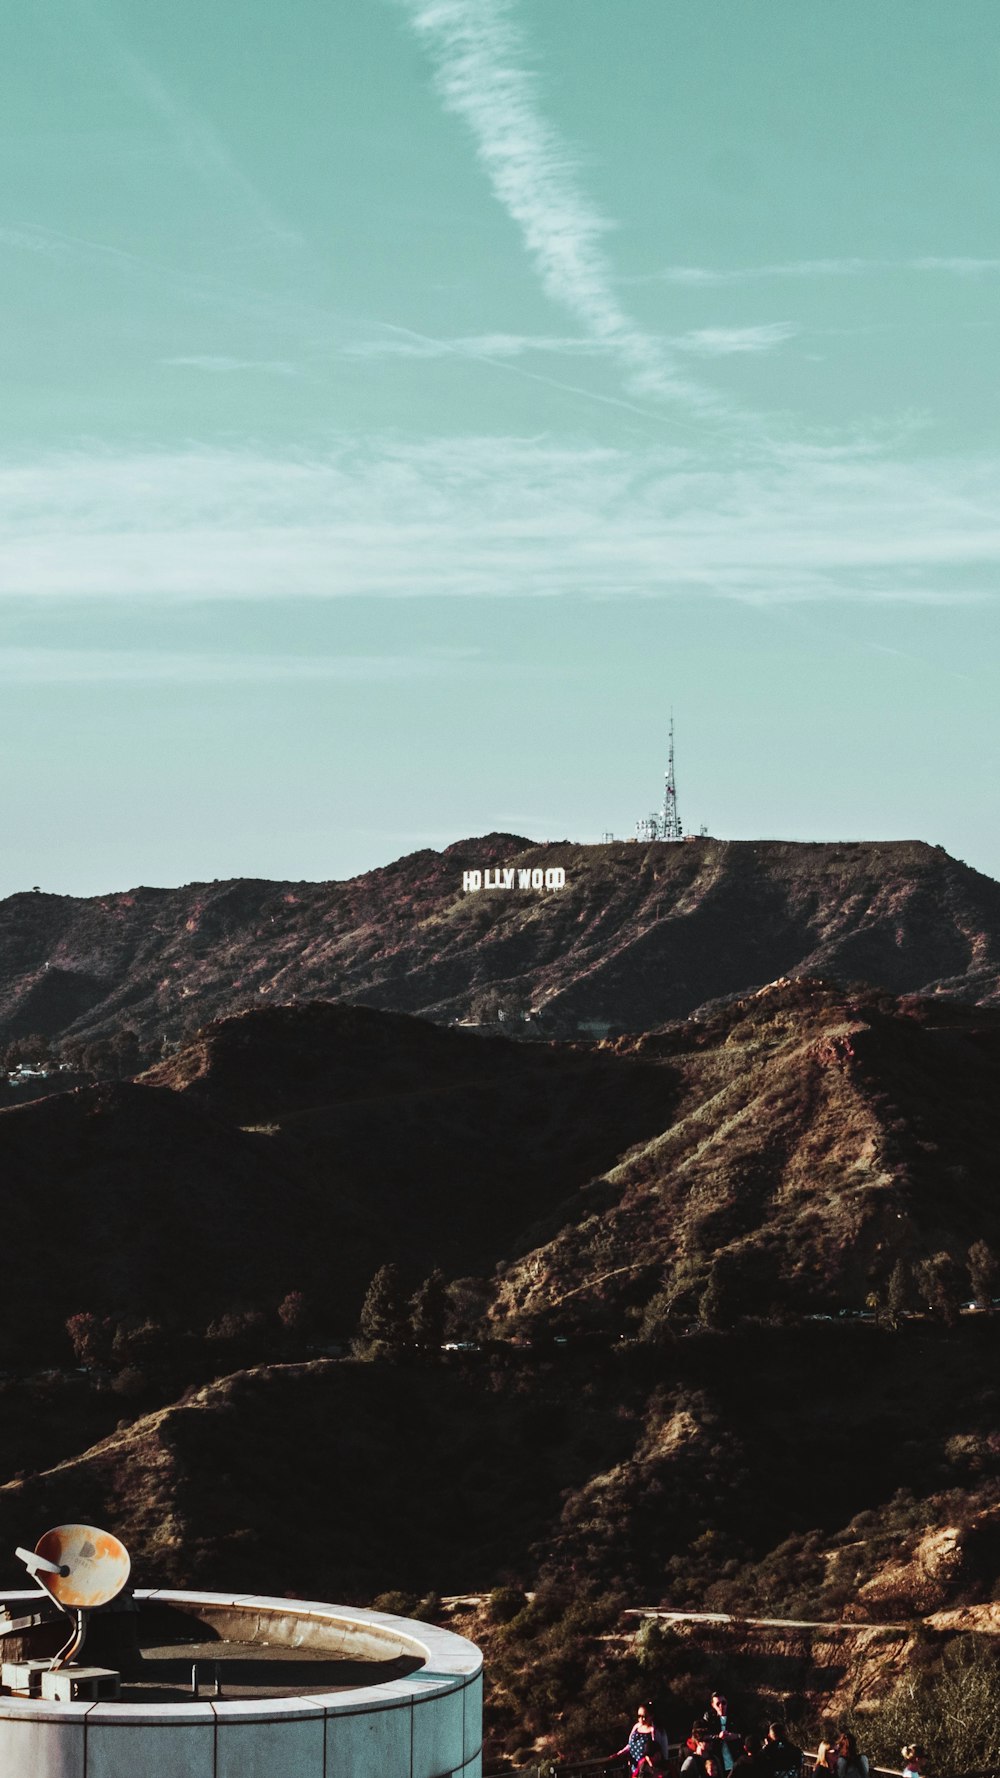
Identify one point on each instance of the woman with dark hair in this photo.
(641, 1746)
(850, 1763)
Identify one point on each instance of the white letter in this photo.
(537, 879)
(555, 878)
(472, 879)
(508, 879)
(524, 879)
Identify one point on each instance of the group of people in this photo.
(715, 1750)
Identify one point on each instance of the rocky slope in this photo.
(641, 934)
(817, 1136)
(783, 1151)
(682, 1479)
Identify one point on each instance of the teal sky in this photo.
(407, 402)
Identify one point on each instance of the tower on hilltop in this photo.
(665, 825)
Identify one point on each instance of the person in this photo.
(826, 1759)
(698, 1762)
(913, 1760)
(747, 1756)
(641, 1744)
(850, 1763)
(727, 1744)
(652, 1764)
(779, 1757)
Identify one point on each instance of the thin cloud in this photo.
(708, 342)
(91, 666)
(27, 241)
(277, 367)
(198, 143)
(817, 268)
(475, 346)
(479, 56)
(501, 518)
(723, 342)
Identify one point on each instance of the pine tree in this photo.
(384, 1320)
(983, 1271)
(430, 1305)
(938, 1281)
(899, 1295)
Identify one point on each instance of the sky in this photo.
(407, 404)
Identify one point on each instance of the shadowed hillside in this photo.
(782, 1152)
(641, 934)
(299, 1148)
(654, 1473)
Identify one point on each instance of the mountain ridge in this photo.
(643, 933)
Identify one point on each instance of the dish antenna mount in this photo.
(80, 1568)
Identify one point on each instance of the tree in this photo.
(429, 1318)
(91, 1338)
(293, 1312)
(983, 1272)
(899, 1293)
(238, 1337)
(125, 1053)
(743, 1281)
(939, 1284)
(384, 1321)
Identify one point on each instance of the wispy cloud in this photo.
(476, 346)
(707, 342)
(818, 268)
(276, 367)
(91, 666)
(199, 144)
(501, 517)
(26, 240)
(480, 60)
(722, 342)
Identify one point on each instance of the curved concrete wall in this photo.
(428, 1725)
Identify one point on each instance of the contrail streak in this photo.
(479, 56)
(199, 144)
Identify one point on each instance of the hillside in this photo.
(640, 935)
(795, 1483)
(705, 1189)
(781, 1152)
(817, 1137)
(298, 1148)
(615, 1466)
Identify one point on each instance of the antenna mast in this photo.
(666, 825)
(670, 821)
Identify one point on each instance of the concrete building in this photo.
(307, 1690)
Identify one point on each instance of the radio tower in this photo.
(667, 824)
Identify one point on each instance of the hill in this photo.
(797, 1483)
(706, 1189)
(817, 1137)
(782, 1152)
(642, 933)
(614, 1465)
(299, 1148)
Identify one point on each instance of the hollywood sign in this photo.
(508, 878)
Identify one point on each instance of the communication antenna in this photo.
(666, 825)
(670, 821)
(80, 1568)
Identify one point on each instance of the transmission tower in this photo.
(666, 825)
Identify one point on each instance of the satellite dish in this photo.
(79, 1565)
